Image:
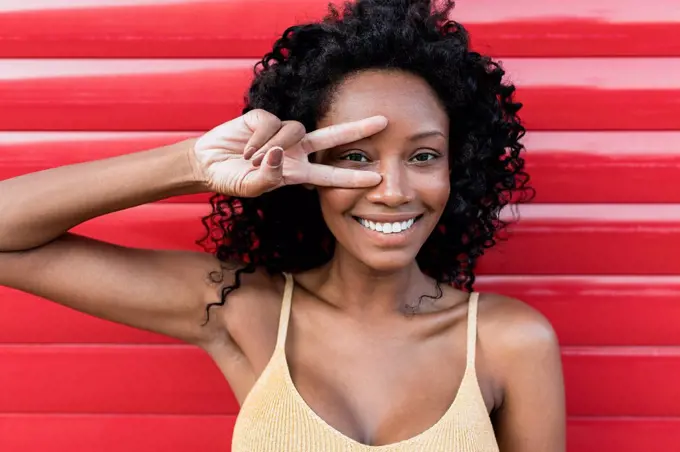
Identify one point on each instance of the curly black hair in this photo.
(284, 231)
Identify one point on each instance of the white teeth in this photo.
(387, 228)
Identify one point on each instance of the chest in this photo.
(371, 382)
(375, 385)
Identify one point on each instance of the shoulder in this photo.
(514, 335)
(522, 361)
(514, 322)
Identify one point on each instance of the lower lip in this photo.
(392, 239)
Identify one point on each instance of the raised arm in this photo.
(162, 291)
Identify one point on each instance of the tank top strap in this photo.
(284, 317)
(472, 331)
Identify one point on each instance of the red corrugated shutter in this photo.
(597, 252)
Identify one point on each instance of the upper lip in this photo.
(389, 218)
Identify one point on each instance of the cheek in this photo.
(434, 189)
(335, 201)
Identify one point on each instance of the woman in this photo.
(353, 199)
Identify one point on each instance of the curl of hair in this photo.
(284, 231)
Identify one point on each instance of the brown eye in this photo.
(354, 157)
(424, 157)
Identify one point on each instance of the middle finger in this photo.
(338, 134)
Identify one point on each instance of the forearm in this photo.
(39, 207)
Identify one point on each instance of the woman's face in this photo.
(385, 226)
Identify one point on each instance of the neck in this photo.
(354, 287)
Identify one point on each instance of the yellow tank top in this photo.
(275, 418)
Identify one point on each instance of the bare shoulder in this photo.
(523, 366)
(512, 334)
(512, 324)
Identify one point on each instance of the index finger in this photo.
(337, 134)
(331, 176)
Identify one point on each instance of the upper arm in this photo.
(531, 417)
(166, 292)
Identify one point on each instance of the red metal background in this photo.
(596, 253)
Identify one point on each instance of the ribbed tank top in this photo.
(275, 418)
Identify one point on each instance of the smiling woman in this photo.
(352, 200)
(451, 118)
(385, 228)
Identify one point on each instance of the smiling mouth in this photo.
(388, 228)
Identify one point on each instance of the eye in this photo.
(424, 157)
(355, 157)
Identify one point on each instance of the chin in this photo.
(387, 261)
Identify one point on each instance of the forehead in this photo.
(405, 99)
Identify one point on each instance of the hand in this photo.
(257, 152)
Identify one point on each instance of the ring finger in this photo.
(290, 134)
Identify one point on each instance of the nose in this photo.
(395, 189)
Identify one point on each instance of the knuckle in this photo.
(256, 114)
(266, 117)
(306, 145)
(332, 177)
(297, 129)
(332, 129)
(273, 120)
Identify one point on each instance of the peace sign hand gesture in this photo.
(257, 152)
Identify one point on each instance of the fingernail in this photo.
(275, 157)
(249, 150)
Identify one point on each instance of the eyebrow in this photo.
(426, 134)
